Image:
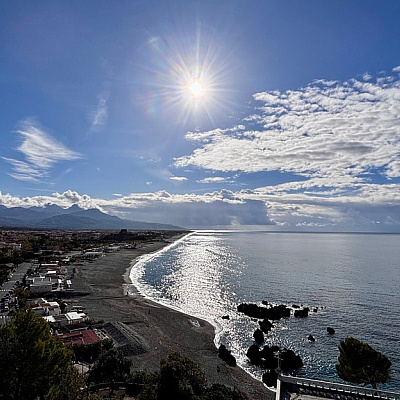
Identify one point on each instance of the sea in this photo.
(350, 282)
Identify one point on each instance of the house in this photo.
(41, 285)
(85, 336)
(52, 308)
(74, 317)
(46, 308)
(58, 319)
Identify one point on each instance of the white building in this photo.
(41, 285)
(76, 317)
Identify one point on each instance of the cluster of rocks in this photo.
(269, 358)
(272, 312)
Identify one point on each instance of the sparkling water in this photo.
(351, 280)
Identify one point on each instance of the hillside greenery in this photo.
(35, 365)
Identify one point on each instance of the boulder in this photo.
(258, 336)
(254, 355)
(279, 312)
(311, 338)
(268, 355)
(330, 330)
(269, 378)
(265, 325)
(302, 313)
(225, 355)
(225, 317)
(290, 360)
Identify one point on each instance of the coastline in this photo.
(154, 330)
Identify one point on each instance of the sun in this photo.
(189, 77)
(195, 89)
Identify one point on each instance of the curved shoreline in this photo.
(160, 328)
(144, 258)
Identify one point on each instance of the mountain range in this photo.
(54, 217)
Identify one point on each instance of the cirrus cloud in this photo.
(98, 117)
(41, 152)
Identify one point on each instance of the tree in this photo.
(360, 363)
(180, 378)
(89, 353)
(32, 361)
(110, 367)
(69, 387)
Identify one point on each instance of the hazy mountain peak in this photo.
(54, 217)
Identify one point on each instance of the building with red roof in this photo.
(86, 336)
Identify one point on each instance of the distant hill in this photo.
(55, 217)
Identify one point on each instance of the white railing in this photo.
(332, 387)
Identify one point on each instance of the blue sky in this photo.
(282, 114)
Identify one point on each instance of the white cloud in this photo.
(178, 178)
(339, 131)
(25, 171)
(335, 138)
(368, 207)
(70, 197)
(98, 117)
(64, 200)
(366, 76)
(188, 210)
(40, 151)
(300, 204)
(212, 179)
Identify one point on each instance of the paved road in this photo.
(10, 285)
(17, 276)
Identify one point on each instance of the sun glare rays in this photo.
(190, 79)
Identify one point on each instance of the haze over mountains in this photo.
(55, 217)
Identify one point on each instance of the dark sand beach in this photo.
(146, 331)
